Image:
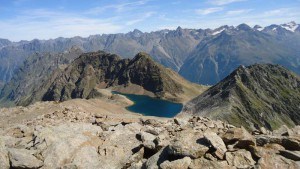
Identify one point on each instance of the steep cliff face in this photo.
(259, 95)
(92, 71)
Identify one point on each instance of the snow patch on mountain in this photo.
(218, 31)
(292, 26)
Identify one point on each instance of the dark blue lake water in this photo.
(149, 106)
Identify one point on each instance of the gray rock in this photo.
(217, 143)
(188, 143)
(148, 139)
(240, 137)
(240, 159)
(87, 157)
(177, 164)
(22, 158)
(154, 161)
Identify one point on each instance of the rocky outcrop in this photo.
(181, 143)
(91, 71)
(256, 96)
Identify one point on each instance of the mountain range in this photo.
(204, 56)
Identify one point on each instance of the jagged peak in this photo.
(136, 33)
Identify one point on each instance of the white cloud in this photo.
(208, 11)
(223, 2)
(238, 12)
(117, 7)
(140, 18)
(275, 12)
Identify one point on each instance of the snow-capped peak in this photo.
(291, 26)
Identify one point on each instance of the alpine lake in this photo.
(150, 106)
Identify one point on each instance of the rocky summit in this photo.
(70, 138)
(96, 70)
(256, 96)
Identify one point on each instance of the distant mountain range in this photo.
(204, 56)
(261, 95)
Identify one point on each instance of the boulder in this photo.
(240, 159)
(22, 158)
(240, 137)
(217, 144)
(176, 164)
(188, 143)
(148, 139)
(154, 161)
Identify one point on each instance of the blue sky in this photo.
(29, 19)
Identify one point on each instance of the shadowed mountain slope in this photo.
(259, 95)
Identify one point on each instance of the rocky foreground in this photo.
(68, 140)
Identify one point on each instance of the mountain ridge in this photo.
(261, 95)
(96, 70)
